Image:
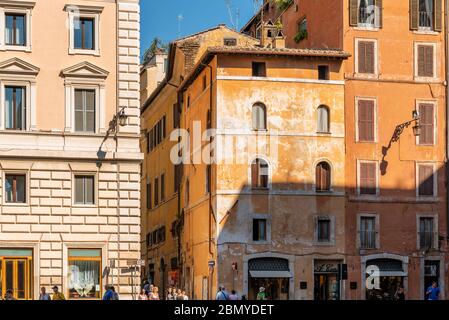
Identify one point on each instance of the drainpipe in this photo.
(446, 51)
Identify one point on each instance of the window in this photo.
(426, 233)
(426, 12)
(176, 116)
(365, 13)
(426, 15)
(188, 101)
(367, 178)
(323, 72)
(365, 120)
(15, 188)
(259, 69)
(323, 177)
(301, 32)
(426, 180)
(158, 133)
(366, 57)
(259, 174)
(15, 108)
(259, 115)
(177, 176)
(84, 273)
(208, 178)
(84, 110)
(425, 61)
(368, 232)
(84, 189)
(230, 42)
(15, 29)
(163, 187)
(149, 195)
(259, 230)
(84, 33)
(156, 192)
(324, 230)
(427, 123)
(323, 119)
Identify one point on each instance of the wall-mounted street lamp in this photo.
(397, 134)
(122, 117)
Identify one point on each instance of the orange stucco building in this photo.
(396, 195)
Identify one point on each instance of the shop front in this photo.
(326, 284)
(16, 273)
(273, 274)
(384, 277)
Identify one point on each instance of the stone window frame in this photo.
(436, 64)
(356, 112)
(24, 8)
(261, 216)
(331, 241)
(418, 102)
(376, 162)
(435, 180)
(96, 189)
(435, 229)
(82, 11)
(375, 75)
(376, 229)
(27, 187)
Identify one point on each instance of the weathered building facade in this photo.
(396, 215)
(69, 147)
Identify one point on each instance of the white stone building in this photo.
(69, 173)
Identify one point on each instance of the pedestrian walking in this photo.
(184, 295)
(57, 295)
(433, 292)
(108, 294)
(44, 295)
(115, 295)
(143, 295)
(399, 295)
(155, 294)
(179, 295)
(233, 296)
(261, 295)
(147, 287)
(221, 294)
(169, 295)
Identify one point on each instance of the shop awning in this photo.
(270, 274)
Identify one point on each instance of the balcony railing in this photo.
(426, 20)
(366, 16)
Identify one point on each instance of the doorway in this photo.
(326, 287)
(275, 288)
(15, 275)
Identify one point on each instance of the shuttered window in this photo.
(162, 187)
(156, 192)
(84, 189)
(367, 232)
(366, 57)
(323, 176)
(427, 123)
(425, 180)
(425, 61)
(426, 15)
(426, 233)
(149, 195)
(366, 125)
(365, 13)
(259, 174)
(323, 119)
(368, 179)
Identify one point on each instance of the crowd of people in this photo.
(151, 292)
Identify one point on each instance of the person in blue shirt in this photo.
(433, 292)
(108, 294)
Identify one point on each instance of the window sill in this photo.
(86, 206)
(84, 52)
(263, 242)
(324, 244)
(8, 47)
(15, 204)
(367, 28)
(367, 142)
(426, 32)
(323, 133)
(427, 79)
(371, 76)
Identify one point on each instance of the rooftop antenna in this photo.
(179, 18)
(237, 17)
(231, 16)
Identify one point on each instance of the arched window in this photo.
(323, 177)
(323, 119)
(259, 117)
(259, 174)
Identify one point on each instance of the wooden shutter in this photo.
(425, 176)
(255, 174)
(438, 12)
(366, 120)
(427, 123)
(353, 13)
(149, 195)
(366, 57)
(414, 14)
(318, 180)
(367, 178)
(425, 61)
(379, 16)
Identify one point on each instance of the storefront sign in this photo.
(326, 267)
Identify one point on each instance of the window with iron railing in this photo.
(366, 13)
(426, 233)
(426, 14)
(368, 233)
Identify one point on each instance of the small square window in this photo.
(229, 42)
(84, 33)
(323, 72)
(15, 188)
(259, 69)
(84, 189)
(324, 230)
(259, 230)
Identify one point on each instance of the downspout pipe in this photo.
(446, 51)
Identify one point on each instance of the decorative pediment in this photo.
(85, 70)
(18, 67)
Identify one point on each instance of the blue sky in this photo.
(160, 18)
